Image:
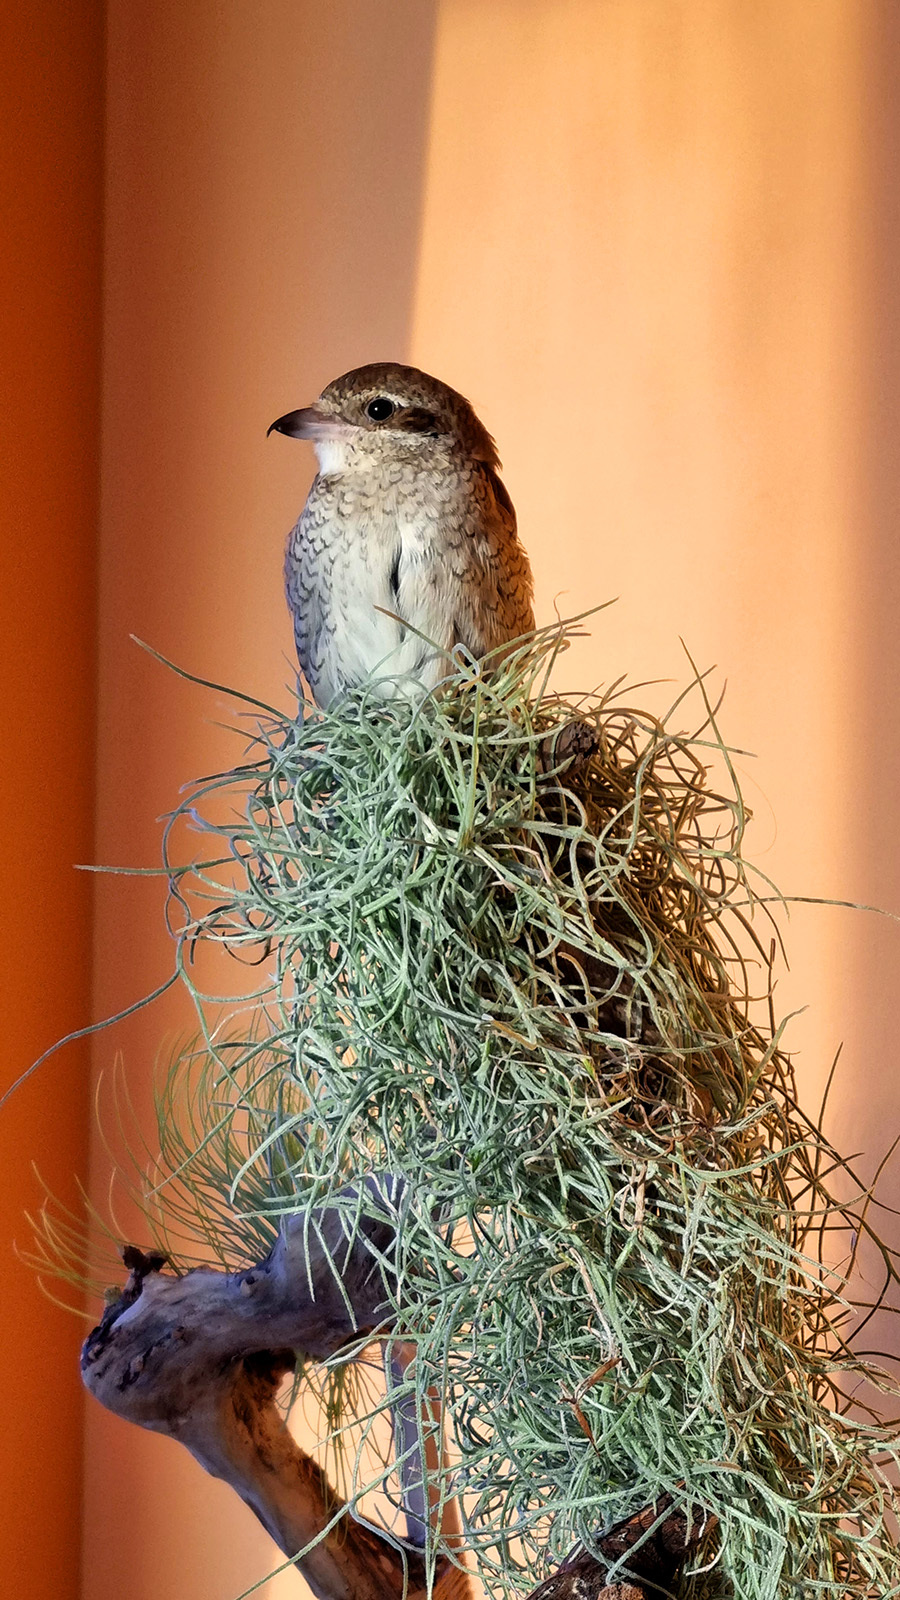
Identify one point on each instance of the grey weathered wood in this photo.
(201, 1358)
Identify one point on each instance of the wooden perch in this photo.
(201, 1358)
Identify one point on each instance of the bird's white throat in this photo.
(332, 455)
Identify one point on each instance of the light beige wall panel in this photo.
(641, 256)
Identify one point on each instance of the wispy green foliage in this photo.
(538, 995)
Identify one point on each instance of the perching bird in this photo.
(406, 522)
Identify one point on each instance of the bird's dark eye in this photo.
(380, 409)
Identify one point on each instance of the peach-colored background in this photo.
(655, 242)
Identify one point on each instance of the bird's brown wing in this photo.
(496, 605)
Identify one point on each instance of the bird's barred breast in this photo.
(439, 552)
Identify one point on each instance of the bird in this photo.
(407, 545)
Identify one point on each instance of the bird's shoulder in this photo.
(492, 509)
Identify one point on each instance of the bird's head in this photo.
(386, 411)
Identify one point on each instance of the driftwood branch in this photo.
(201, 1358)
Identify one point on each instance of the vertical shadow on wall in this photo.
(873, 968)
(368, 104)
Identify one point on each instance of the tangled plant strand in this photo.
(537, 993)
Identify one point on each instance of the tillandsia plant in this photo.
(507, 1122)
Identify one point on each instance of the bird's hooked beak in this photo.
(310, 423)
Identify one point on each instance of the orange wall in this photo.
(51, 71)
(655, 243)
(264, 180)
